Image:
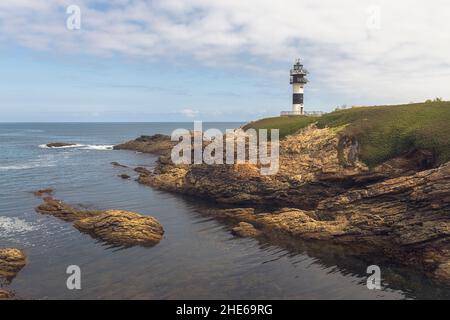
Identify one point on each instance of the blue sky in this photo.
(177, 60)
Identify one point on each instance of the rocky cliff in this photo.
(324, 192)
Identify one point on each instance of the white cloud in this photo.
(408, 58)
(190, 113)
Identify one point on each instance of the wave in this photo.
(98, 147)
(10, 226)
(81, 147)
(25, 166)
(42, 161)
(44, 146)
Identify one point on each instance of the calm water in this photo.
(198, 257)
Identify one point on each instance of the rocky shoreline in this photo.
(323, 192)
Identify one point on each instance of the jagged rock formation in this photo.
(11, 262)
(314, 164)
(116, 227)
(6, 294)
(245, 229)
(63, 211)
(122, 228)
(324, 192)
(157, 144)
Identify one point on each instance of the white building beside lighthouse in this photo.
(298, 81)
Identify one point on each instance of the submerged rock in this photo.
(116, 227)
(117, 164)
(11, 262)
(59, 144)
(42, 192)
(124, 176)
(63, 211)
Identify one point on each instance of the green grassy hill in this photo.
(383, 131)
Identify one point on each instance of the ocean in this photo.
(198, 257)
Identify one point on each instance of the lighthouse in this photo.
(298, 81)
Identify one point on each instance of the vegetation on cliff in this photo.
(383, 132)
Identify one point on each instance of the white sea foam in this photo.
(41, 161)
(98, 147)
(10, 226)
(25, 166)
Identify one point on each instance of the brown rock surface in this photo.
(115, 227)
(142, 171)
(11, 262)
(158, 144)
(122, 228)
(63, 211)
(6, 294)
(245, 229)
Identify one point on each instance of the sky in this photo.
(215, 60)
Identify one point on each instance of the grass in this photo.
(383, 132)
(286, 125)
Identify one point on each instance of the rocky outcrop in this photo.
(314, 164)
(6, 294)
(157, 144)
(142, 171)
(115, 227)
(63, 211)
(245, 229)
(11, 262)
(122, 228)
(323, 192)
(59, 144)
(406, 218)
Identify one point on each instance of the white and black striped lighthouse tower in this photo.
(298, 81)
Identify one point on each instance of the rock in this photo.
(157, 144)
(11, 262)
(143, 171)
(124, 176)
(63, 211)
(5, 294)
(42, 192)
(116, 164)
(314, 164)
(115, 227)
(122, 228)
(406, 218)
(400, 208)
(59, 144)
(244, 229)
